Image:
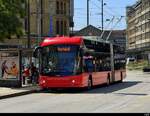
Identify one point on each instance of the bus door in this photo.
(88, 64)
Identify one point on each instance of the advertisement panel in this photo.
(9, 65)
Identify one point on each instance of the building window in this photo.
(65, 28)
(61, 7)
(61, 28)
(57, 8)
(57, 28)
(65, 9)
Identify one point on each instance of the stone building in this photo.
(56, 17)
(117, 36)
(47, 18)
(138, 28)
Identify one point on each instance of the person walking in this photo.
(4, 69)
(26, 74)
(34, 73)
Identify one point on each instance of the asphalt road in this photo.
(131, 96)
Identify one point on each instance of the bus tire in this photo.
(54, 89)
(121, 77)
(44, 89)
(89, 86)
(108, 81)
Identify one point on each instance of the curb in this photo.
(19, 94)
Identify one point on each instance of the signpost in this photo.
(148, 58)
(112, 62)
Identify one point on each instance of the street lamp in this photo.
(39, 21)
(88, 12)
(28, 23)
(102, 18)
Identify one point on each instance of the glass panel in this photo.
(60, 60)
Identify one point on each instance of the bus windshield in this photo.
(60, 60)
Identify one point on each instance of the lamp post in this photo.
(28, 23)
(102, 15)
(38, 21)
(88, 12)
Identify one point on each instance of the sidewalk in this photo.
(13, 92)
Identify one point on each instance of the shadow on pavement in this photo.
(102, 89)
(27, 88)
(146, 72)
(114, 87)
(136, 94)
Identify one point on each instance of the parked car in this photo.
(146, 69)
(130, 60)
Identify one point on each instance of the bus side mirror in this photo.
(36, 52)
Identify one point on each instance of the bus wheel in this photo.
(44, 89)
(108, 81)
(121, 78)
(54, 89)
(89, 84)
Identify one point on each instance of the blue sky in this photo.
(115, 8)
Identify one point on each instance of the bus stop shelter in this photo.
(12, 61)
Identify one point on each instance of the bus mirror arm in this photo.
(36, 52)
(81, 52)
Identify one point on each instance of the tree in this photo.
(11, 14)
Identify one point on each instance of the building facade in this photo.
(50, 17)
(117, 36)
(138, 28)
(45, 18)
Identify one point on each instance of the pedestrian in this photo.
(26, 74)
(34, 74)
(4, 69)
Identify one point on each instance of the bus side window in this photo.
(84, 66)
(89, 66)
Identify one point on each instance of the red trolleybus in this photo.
(76, 62)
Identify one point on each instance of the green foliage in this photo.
(139, 65)
(11, 13)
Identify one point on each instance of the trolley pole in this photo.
(112, 62)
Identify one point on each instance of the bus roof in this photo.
(62, 40)
(76, 40)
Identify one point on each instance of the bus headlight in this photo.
(73, 81)
(43, 82)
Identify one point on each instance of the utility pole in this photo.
(102, 15)
(38, 21)
(41, 17)
(88, 12)
(28, 23)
